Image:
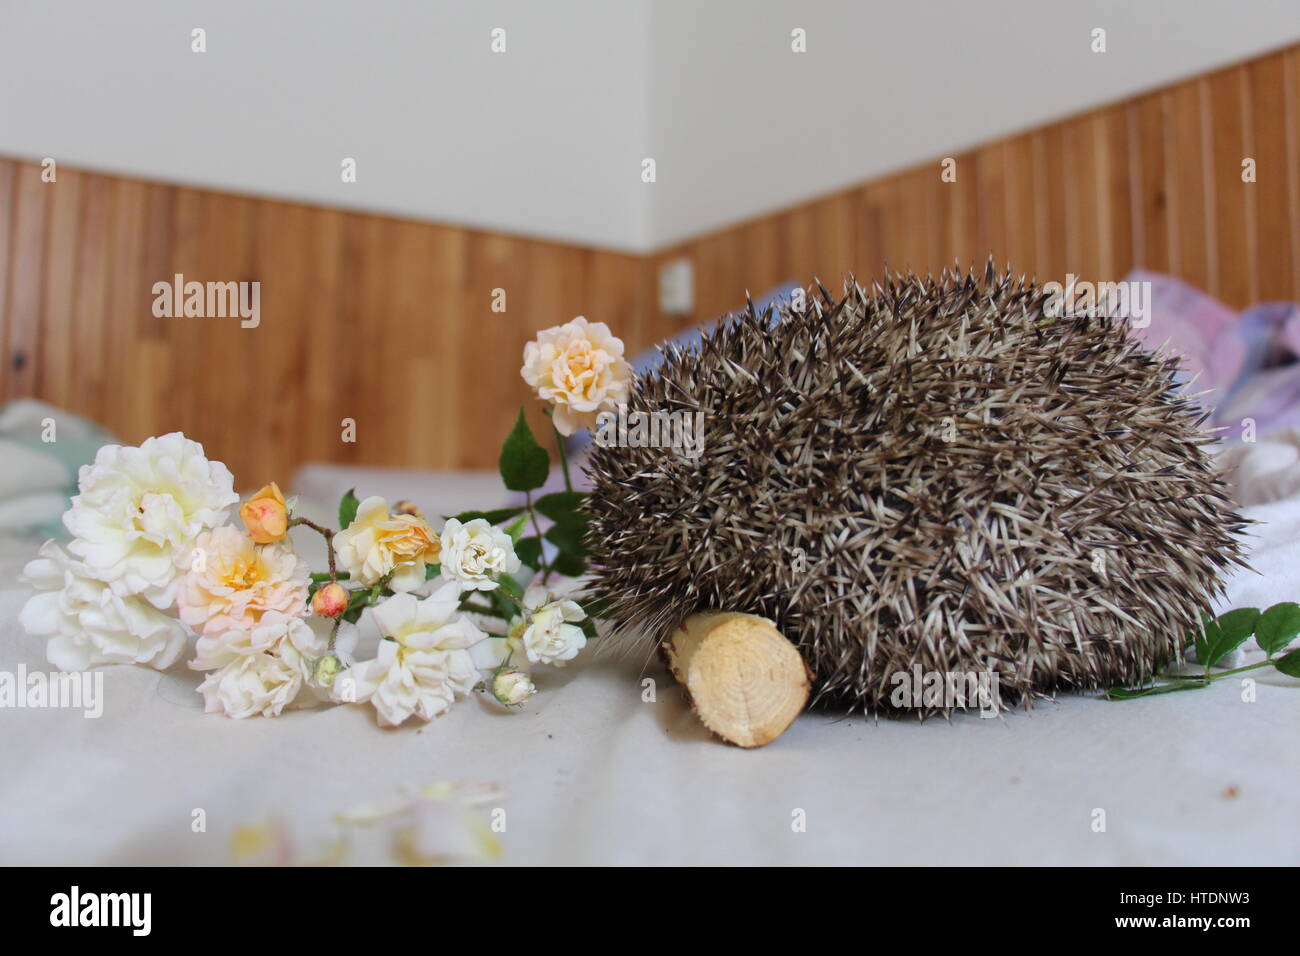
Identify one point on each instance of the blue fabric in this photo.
(651, 358)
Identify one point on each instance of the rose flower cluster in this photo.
(156, 566)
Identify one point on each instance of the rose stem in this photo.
(328, 535)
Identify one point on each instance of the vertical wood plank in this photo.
(991, 197)
(1051, 224)
(1271, 231)
(1150, 124)
(54, 381)
(31, 204)
(1229, 255)
(1292, 107)
(1190, 231)
(1022, 213)
(1115, 193)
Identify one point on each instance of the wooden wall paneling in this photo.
(1190, 225)
(1116, 192)
(1051, 225)
(157, 384)
(228, 351)
(323, 337)
(128, 314)
(992, 201)
(187, 362)
(1292, 85)
(92, 361)
(718, 263)
(145, 347)
(613, 294)
(1149, 129)
(763, 257)
(909, 219)
(868, 249)
(493, 361)
(1081, 224)
(837, 223)
(369, 375)
(284, 343)
(425, 298)
(58, 334)
(958, 239)
(1022, 213)
(1271, 121)
(31, 203)
(390, 322)
(1227, 111)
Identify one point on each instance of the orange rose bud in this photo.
(330, 600)
(265, 515)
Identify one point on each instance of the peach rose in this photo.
(377, 543)
(579, 368)
(233, 582)
(265, 515)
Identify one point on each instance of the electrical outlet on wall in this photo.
(677, 287)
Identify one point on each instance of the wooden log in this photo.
(746, 682)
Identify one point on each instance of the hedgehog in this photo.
(939, 474)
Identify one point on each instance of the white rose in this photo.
(579, 368)
(250, 685)
(259, 671)
(286, 635)
(140, 511)
(473, 553)
(424, 662)
(88, 624)
(512, 687)
(550, 637)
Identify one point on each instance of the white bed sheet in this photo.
(594, 774)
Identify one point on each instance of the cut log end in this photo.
(746, 682)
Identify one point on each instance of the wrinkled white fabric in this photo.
(594, 773)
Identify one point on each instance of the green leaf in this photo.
(529, 551)
(516, 528)
(597, 607)
(524, 463)
(570, 565)
(503, 605)
(348, 508)
(560, 503)
(589, 628)
(1278, 626)
(509, 585)
(358, 600)
(1289, 664)
(568, 538)
(1225, 634)
(496, 516)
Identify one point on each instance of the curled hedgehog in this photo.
(931, 474)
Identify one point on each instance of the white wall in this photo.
(740, 125)
(544, 140)
(547, 139)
